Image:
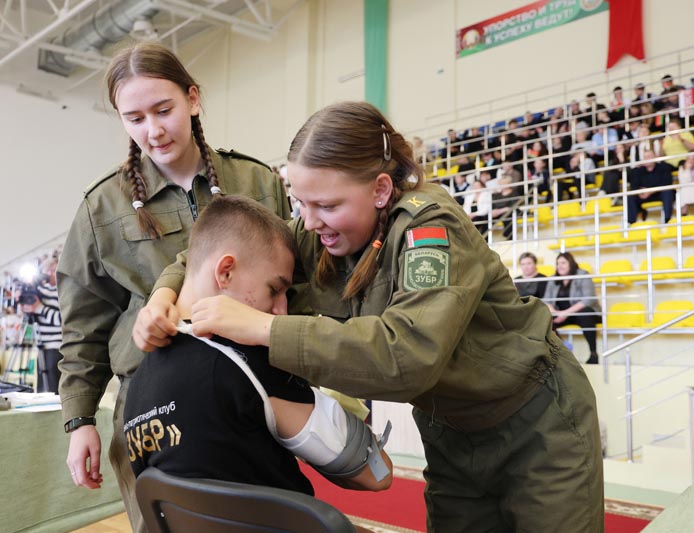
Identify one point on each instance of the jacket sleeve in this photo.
(402, 352)
(90, 304)
(550, 296)
(173, 275)
(585, 291)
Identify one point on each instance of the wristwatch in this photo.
(72, 425)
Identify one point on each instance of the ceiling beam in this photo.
(45, 32)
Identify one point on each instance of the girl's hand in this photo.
(229, 318)
(156, 322)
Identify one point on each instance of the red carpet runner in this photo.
(402, 507)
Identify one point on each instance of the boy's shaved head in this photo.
(238, 220)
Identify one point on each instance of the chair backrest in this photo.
(670, 309)
(173, 504)
(547, 270)
(626, 315)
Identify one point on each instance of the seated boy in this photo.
(200, 407)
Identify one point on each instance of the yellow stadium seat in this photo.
(689, 264)
(569, 209)
(572, 238)
(585, 266)
(604, 205)
(670, 230)
(659, 263)
(615, 266)
(626, 315)
(666, 311)
(655, 203)
(547, 270)
(543, 212)
(638, 230)
(608, 235)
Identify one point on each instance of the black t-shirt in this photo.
(192, 412)
(532, 288)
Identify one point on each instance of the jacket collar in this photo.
(156, 182)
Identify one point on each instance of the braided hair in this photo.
(152, 60)
(356, 139)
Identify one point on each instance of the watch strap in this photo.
(72, 425)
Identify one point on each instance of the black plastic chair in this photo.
(173, 504)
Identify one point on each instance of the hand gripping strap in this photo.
(362, 449)
(238, 359)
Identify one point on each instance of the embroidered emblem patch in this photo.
(416, 202)
(426, 268)
(426, 237)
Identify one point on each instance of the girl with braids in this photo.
(402, 300)
(131, 224)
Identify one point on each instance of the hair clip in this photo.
(215, 190)
(377, 244)
(386, 143)
(137, 204)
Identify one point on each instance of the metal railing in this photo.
(629, 393)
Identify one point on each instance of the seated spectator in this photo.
(419, 150)
(473, 141)
(528, 265)
(573, 301)
(592, 108)
(634, 114)
(532, 124)
(478, 203)
(561, 144)
(540, 175)
(618, 104)
(677, 142)
(640, 94)
(575, 109)
(630, 131)
(650, 118)
(644, 142)
(669, 87)
(214, 393)
(504, 201)
(537, 149)
(459, 185)
(583, 141)
(671, 102)
(612, 177)
(686, 178)
(464, 163)
(452, 145)
(488, 159)
(490, 183)
(579, 164)
(507, 170)
(647, 175)
(604, 137)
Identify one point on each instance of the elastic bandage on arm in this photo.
(336, 442)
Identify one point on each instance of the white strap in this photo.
(237, 358)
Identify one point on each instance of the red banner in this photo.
(626, 30)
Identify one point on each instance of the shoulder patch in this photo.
(98, 181)
(239, 155)
(426, 268)
(428, 236)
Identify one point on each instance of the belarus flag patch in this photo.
(426, 237)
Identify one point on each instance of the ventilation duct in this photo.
(108, 25)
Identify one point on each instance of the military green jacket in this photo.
(108, 267)
(441, 326)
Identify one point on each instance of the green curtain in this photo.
(376, 53)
